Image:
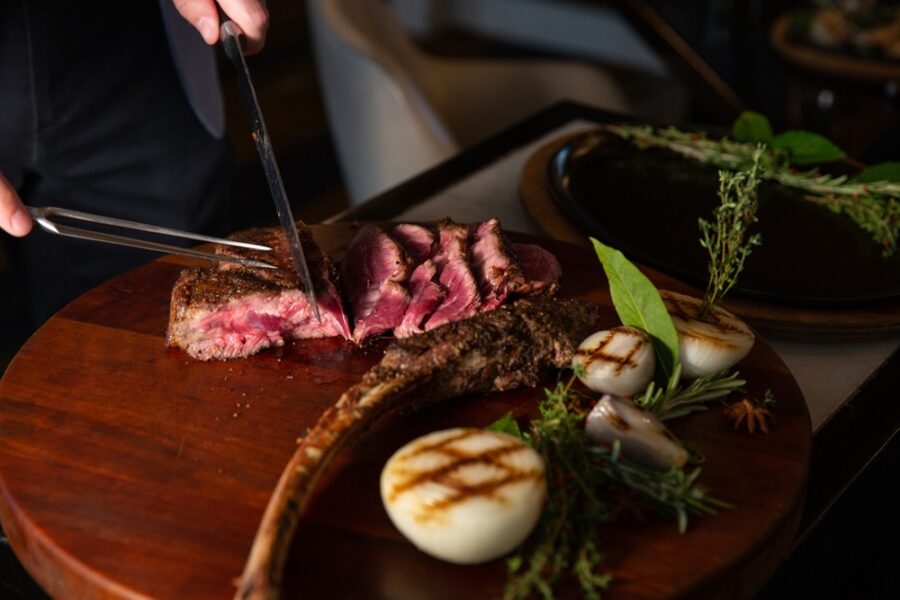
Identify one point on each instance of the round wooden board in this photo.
(129, 470)
(779, 321)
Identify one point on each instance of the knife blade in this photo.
(230, 33)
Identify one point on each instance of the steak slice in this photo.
(233, 311)
(417, 240)
(426, 296)
(541, 271)
(498, 350)
(462, 298)
(494, 263)
(374, 273)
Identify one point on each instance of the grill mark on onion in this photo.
(679, 308)
(597, 354)
(448, 474)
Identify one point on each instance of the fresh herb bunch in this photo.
(871, 199)
(583, 482)
(674, 400)
(727, 240)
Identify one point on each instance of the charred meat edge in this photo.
(499, 350)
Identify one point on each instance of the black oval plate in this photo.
(647, 202)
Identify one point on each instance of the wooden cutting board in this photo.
(129, 470)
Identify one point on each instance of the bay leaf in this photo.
(638, 304)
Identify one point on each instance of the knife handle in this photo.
(231, 32)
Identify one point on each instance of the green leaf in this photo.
(506, 424)
(638, 304)
(886, 171)
(752, 127)
(807, 148)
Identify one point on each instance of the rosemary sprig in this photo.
(873, 206)
(583, 481)
(675, 401)
(726, 240)
(673, 493)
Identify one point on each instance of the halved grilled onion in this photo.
(707, 346)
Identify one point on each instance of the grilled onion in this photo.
(616, 361)
(464, 495)
(643, 438)
(717, 342)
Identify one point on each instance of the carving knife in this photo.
(231, 33)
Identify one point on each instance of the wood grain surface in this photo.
(781, 321)
(128, 470)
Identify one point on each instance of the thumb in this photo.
(203, 15)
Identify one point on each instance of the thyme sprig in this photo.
(676, 400)
(726, 240)
(583, 482)
(873, 206)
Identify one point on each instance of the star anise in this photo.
(750, 413)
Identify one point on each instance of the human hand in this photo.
(14, 217)
(250, 15)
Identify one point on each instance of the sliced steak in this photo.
(426, 295)
(506, 348)
(233, 313)
(417, 240)
(541, 271)
(495, 264)
(374, 273)
(462, 298)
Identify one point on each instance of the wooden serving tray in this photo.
(129, 470)
(782, 321)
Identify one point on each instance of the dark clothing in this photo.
(93, 118)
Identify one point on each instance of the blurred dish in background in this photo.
(857, 40)
(647, 202)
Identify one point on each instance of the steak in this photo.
(414, 279)
(417, 240)
(497, 268)
(540, 269)
(462, 299)
(233, 311)
(499, 350)
(426, 296)
(374, 273)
